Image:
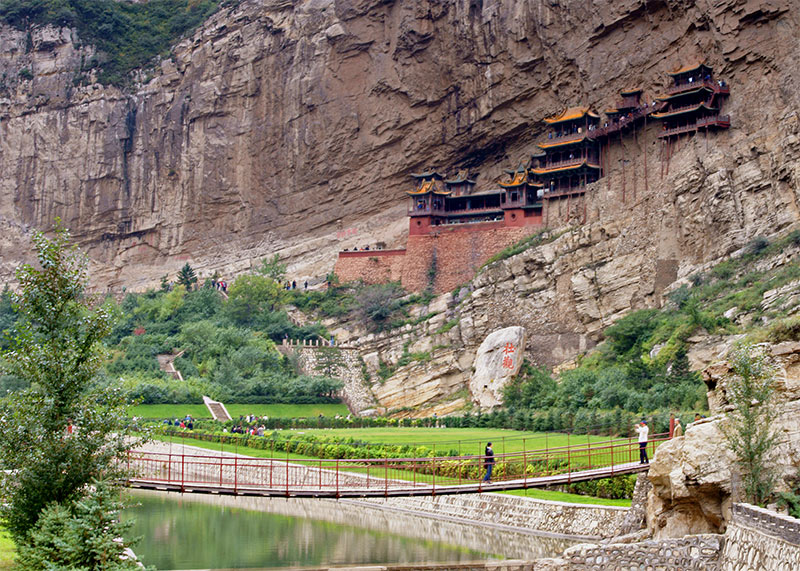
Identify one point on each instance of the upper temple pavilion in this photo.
(694, 101)
(571, 153)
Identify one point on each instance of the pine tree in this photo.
(187, 277)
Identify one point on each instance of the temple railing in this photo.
(717, 86)
(708, 121)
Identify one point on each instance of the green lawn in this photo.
(7, 551)
(236, 410)
(538, 494)
(466, 440)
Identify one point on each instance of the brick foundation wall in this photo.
(448, 256)
(371, 266)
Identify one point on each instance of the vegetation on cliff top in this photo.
(128, 35)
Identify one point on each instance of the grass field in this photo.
(7, 551)
(236, 410)
(466, 440)
(532, 493)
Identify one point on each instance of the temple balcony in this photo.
(468, 211)
(721, 121)
(688, 86)
(566, 163)
(568, 137)
(559, 192)
(426, 211)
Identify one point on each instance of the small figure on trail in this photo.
(678, 429)
(488, 462)
(643, 431)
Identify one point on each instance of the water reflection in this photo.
(213, 532)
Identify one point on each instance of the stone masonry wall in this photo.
(761, 539)
(373, 267)
(693, 552)
(517, 511)
(339, 363)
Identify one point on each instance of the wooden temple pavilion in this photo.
(436, 202)
(571, 153)
(694, 101)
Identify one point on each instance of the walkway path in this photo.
(188, 469)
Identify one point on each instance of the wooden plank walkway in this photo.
(396, 489)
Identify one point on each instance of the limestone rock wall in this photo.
(694, 477)
(282, 126)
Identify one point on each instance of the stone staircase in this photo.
(217, 410)
(167, 364)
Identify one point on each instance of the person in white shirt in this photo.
(643, 431)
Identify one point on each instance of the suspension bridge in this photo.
(234, 474)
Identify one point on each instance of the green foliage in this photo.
(748, 428)
(85, 534)
(186, 277)
(57, 350)
(272, 268)
(128, 34)
(446, 327)
(375, 304)
(543, 237)
(617, 487)
(25, 74)
(251, 297)
(532, 388)
(791, 500)
(785, 330)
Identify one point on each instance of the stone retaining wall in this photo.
(761, 539)
(517, 511)
(690, 553)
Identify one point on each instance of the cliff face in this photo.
(279, 125)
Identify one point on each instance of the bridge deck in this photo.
(389, 491)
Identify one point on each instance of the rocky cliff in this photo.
(283, 126)
(695, 477)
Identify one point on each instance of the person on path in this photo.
(643, 431)
(678, 429)
(488, 462)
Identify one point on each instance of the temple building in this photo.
(436, 202)
(571, 153)
(694, 101)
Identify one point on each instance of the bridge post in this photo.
(612, 457)
(183, 457)
(386, 475)
(434, 476)
(235, 473)
(337, 478)
(569, 464)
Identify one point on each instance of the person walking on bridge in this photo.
(643, 431)
(488, 462)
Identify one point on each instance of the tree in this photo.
(59, 539)
(60, 434)
(272, 268)
(186, 277)
(251, 296)
(748, 428)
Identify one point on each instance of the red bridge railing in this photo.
(235, 474)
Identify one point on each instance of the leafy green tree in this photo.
(272, 268)
(186, 277)
(57, 350)
(59, 539)
(749, 428)
(251, 296)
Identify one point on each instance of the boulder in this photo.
(497, 361)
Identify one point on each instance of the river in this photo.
(218, 532)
